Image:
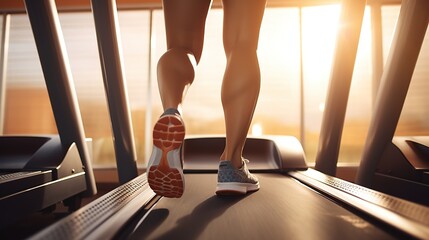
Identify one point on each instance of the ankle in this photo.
(238, 164)
(171, 111)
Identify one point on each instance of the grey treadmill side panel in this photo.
(50, 175)
(41, 196)
(267, 153)
(403, 169)
(51, 48)
(40, 153)
(406, 157)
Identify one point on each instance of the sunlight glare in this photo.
(257, 129)
(322, 107)
(319, 32)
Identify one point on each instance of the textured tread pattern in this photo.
(83, 222)
(411, 210)
(4, 177)
(168, 135)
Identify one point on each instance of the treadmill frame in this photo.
(106, 216)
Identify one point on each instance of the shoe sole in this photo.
(235, 188)
(165, 175)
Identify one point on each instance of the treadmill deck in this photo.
(282, 209)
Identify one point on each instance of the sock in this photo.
(242, 166)
(171, 111)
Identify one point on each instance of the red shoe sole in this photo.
(168, 135)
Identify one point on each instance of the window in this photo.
(27, 108)
(319, 28)
(279, 110)
(360, 101)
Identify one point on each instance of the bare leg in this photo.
(241, 83)
(184, 22)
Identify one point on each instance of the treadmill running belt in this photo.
(282, 209)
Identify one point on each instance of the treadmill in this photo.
(294, 202)
(37, 172)
(291, 204)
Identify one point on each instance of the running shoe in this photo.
(233, 181)
(165, 168)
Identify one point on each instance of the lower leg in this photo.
(165, 174)
(175, 73)
(240, 90)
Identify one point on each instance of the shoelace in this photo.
(245, 162)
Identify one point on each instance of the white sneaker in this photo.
(233, 181)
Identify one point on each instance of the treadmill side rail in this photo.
(102, 218)
(408, 217)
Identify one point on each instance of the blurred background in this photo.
(296, 46)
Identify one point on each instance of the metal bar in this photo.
(339, 87)
(3, 67)
(149, 108)
(109, 47)
(377, 48)
(301, 84)
(406, 44)
(50, 44)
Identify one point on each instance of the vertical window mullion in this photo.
(4, 50)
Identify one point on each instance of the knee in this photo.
(241, 48)
(178, 61)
